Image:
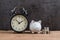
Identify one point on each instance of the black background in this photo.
(46, 10)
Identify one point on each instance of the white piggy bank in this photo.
(35, 26)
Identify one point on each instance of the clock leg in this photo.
(33, 32)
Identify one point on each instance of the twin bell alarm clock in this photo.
(19, 21)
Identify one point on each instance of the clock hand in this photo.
(17, 21)
(20, 22)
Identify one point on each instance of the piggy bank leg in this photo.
(39, 32)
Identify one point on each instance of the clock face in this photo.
(19, 23)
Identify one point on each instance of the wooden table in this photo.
(10, 35)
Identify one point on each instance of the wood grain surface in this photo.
(10, 35)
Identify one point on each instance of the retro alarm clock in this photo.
(19, 22)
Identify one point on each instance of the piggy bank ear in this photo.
(32, 21)
(39, 21)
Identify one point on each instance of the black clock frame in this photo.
(15, 30)
(20, 11)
